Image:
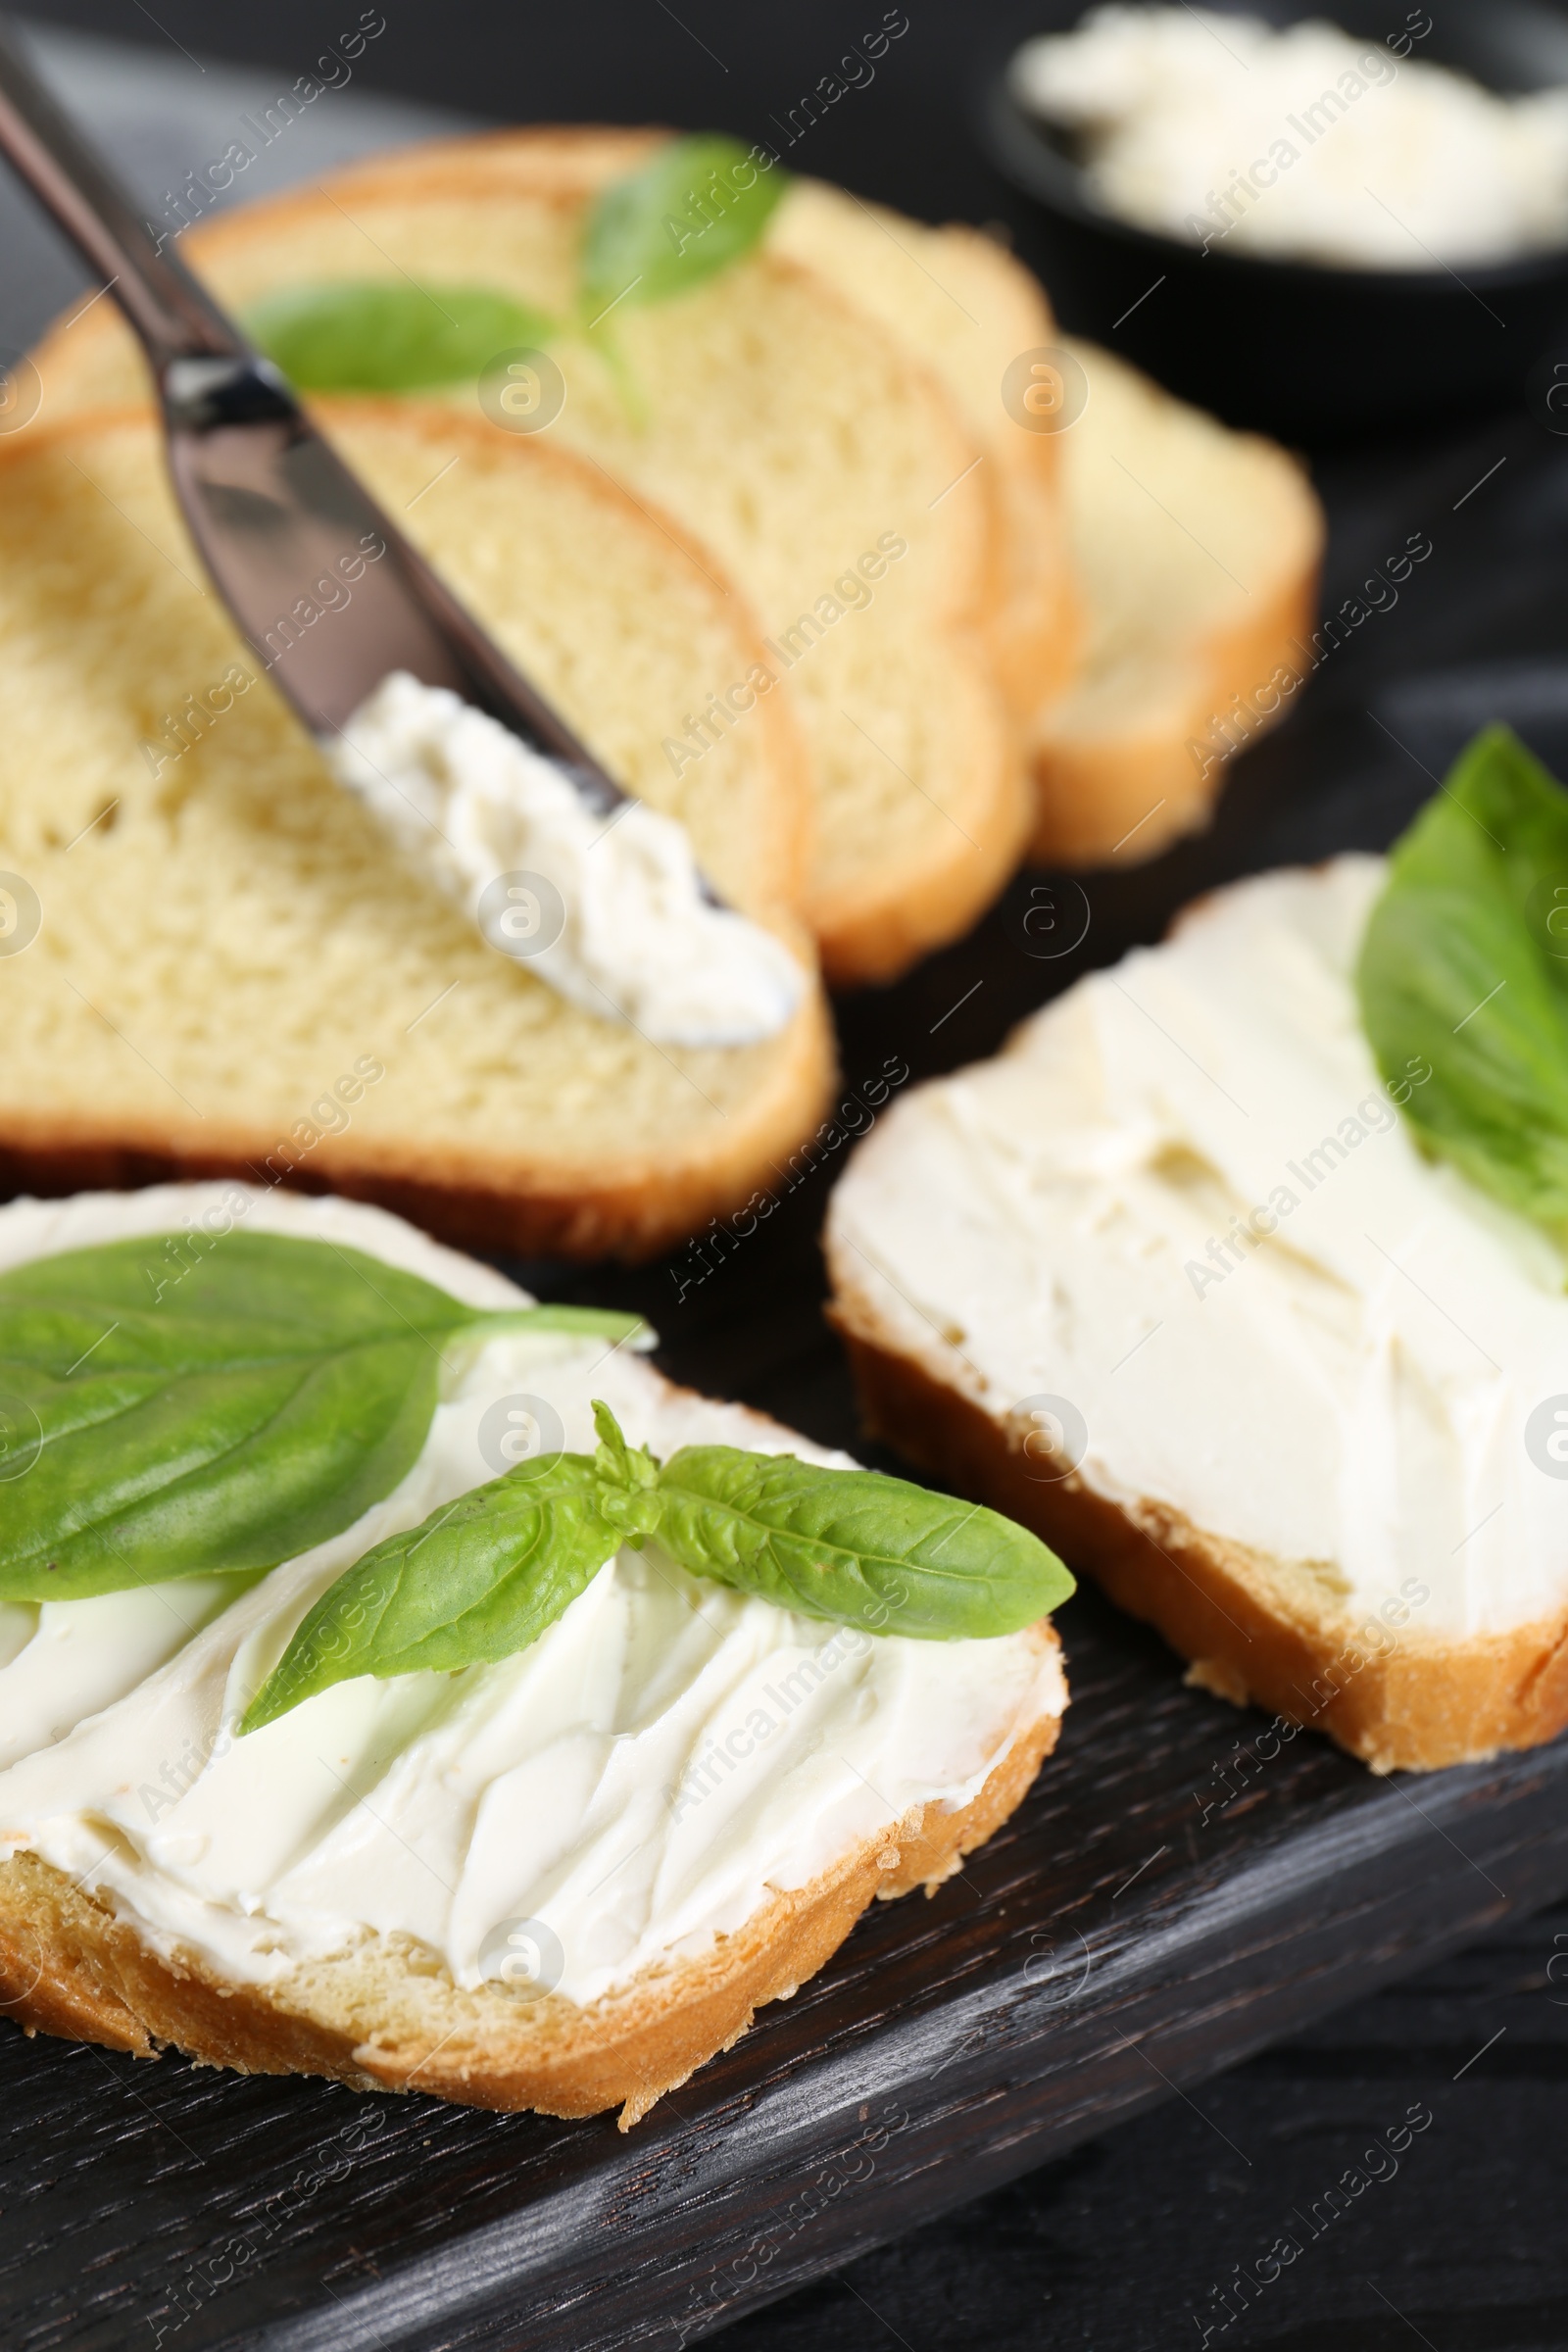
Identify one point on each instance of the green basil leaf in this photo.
(1463, 971)
(386, 334)
(479, 1580)
(579, 1322)
(180, 1403)
(628, 1480)
(854, 1546)
(695, 207)
(483, 1578)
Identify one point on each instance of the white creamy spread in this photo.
(1300, 141)
(1183, 1202)
(621, 928)
(63, 1660)
(662, 1758)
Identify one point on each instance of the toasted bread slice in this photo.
(962, 306)
(1205, 1317)
(1196, 553)
(1124, 642)
(788, 433)
(957, 305)
(223, 934)
(300, 1954)
(1256, 1633)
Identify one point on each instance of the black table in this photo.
(1455, 2237)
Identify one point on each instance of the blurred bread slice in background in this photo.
(811, 461)
(964, 308)
(233, 972)
(959, 306)
(1196, 551)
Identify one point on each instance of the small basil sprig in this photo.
(227, 1416)
(484, 1577)
(476, 1582)
(1464, 966)
(698, 205)
(388, 334)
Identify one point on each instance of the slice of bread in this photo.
(961, 309)
(959, 306)
(388, 2022)
(1206, 1318)
(1157, 566)
(233, 970)
(790, 434)
(128, 1949)
(1196, 553)
(962, 306)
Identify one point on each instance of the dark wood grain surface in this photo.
(1134, 1929)
(942, 2140)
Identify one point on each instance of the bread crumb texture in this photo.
(223, 937)
(790, 433)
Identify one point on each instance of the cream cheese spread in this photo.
(1180, 1221)
(1301, 140)
(643, 1778)
(609, 910)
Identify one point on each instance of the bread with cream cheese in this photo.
(337, 1953)
(233, 971)
(1206, 1318)
(784, 430)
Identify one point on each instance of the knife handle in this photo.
(169, 308)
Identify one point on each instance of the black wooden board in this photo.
(1130, 1931)
(1168, 1899)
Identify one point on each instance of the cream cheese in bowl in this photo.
(1301, 142)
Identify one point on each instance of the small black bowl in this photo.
(1302, 348)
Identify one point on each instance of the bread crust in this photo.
(1255, 1630)
(69, 1966)
(1135, 794)
(630, 1209)
(1035, 632)
(887, 922)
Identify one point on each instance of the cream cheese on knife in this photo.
(608, 911)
